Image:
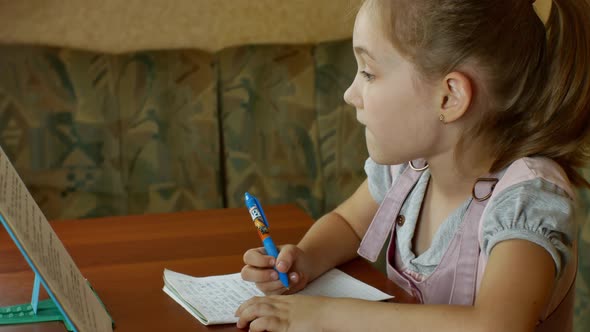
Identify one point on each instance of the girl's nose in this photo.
(351, 97)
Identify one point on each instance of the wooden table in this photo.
(124, 259)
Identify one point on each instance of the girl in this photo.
(483, 108)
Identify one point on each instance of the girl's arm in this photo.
(516, 287)
(335, 237)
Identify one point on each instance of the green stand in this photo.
(37, 311)
(34, 312)
(47, 311)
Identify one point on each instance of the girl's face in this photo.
(400, 114)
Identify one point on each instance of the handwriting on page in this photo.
(217, 298)
(214, 300)
(47, 253)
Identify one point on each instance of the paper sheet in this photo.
(214, 300)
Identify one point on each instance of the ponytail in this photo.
(549, 116)
(567, 93)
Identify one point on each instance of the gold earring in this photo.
(442, 118)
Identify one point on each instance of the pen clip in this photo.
(259, 207)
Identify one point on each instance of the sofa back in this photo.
(160, 131)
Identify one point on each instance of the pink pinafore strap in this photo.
(382, 224)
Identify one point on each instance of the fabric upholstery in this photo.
(95, 135)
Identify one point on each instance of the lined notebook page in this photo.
(214, 300)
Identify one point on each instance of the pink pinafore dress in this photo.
(457, 278)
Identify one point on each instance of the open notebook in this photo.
(214, 300)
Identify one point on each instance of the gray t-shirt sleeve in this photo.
(379, 178)
(536, 211)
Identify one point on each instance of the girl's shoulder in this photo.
(524, 170)
(533, 194)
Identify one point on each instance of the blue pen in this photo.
(261, 224)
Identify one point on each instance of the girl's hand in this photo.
(292, 313)
(259, 269)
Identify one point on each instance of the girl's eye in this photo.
(368, 77)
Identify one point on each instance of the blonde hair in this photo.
(536, 76)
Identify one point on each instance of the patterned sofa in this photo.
(159, 131)
(145, 119)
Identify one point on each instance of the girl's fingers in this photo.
(271, 288)
(286, 257)
(253, 308)
(266, 324)
(250, 273)
(257, 257)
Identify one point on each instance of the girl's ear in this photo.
(456, 97)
